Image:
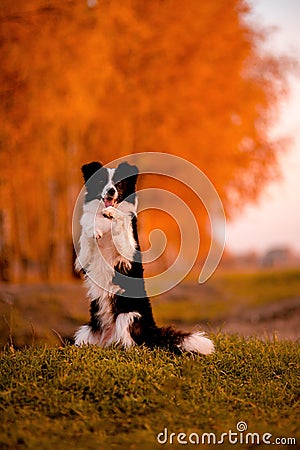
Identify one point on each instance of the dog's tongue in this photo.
(108, 202)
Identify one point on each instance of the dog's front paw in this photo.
(111, 213)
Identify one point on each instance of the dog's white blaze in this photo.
(197, 342)
(109, 184)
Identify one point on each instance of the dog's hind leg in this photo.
(86, 336)
(123, 325)
(90, 334)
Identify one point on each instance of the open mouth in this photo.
(109, 201)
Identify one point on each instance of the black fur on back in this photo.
(134, 297)
(143, 330)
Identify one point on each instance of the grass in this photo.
(91, 398)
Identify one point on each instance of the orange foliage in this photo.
(81, 83)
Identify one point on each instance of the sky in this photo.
(275, 220)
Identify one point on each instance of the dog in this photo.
(110, 259)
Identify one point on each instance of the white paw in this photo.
(112, 213)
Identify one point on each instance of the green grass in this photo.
(91, 398)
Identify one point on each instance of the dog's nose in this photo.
(111, 192)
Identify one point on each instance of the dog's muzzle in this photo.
(110, 197)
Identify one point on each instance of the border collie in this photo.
(110, 258)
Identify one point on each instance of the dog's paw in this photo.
(111, 213)
(98, 234)
(122, 263)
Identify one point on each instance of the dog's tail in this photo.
(174, 340)
(197, 342)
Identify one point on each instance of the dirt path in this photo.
(281, 319)
(30, 313)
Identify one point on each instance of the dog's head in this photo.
(112, 186)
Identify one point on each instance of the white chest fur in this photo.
(104, 243)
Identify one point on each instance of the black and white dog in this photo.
(110, 258)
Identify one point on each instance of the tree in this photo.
(80, 83)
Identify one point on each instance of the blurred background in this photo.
(214, 82)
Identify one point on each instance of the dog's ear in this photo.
(127, 174)
(89, 169)
(126, 170)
